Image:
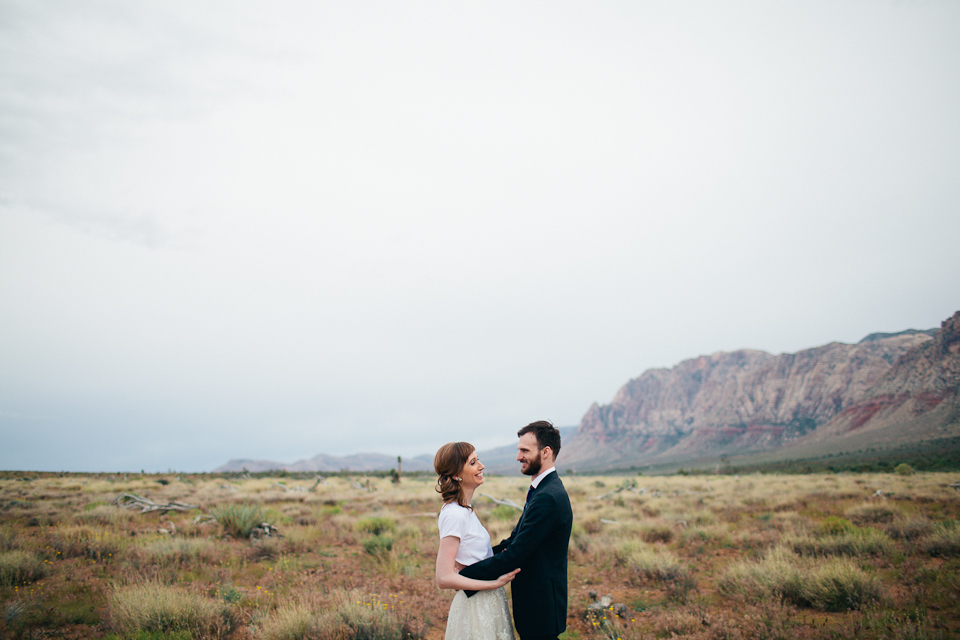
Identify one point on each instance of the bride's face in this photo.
(472, 472)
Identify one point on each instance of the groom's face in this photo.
(528, 455)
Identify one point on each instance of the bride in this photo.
(463, 541)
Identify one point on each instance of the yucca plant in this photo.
(238, 520)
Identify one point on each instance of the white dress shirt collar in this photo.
(539, 478)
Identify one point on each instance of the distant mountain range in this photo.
(498, 460)
(888, 389)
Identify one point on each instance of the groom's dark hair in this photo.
(547, 435)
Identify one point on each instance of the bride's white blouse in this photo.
(463, 523)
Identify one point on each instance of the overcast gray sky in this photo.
(272, 230)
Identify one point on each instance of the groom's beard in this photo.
(533, 467)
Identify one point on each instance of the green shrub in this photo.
(378, 545)
(903, 469)
(19, 567)
(944, 541)
(239, 520)
(376, 525)
(834, 525)
(840, 586)
(156, 608)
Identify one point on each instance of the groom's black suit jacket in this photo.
(538, 545)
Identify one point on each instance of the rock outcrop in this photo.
(745, 401)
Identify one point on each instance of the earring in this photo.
(459, 479)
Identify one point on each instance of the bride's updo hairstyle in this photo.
(449, 463)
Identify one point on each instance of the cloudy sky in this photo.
(272, 230)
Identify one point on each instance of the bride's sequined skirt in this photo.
(485, 616)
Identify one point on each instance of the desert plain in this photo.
(351, 556)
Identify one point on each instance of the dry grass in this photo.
(160, 608)
(21, 568)
(700, 557)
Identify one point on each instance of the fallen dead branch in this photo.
(144, 505)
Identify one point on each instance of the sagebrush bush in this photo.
(239, 520)
(944, 541)
(157, 608)
(19, 567)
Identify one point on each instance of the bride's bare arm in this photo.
(447, 571)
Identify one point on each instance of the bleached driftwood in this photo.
(504, 502)
(145, 505)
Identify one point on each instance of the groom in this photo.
(538, 544)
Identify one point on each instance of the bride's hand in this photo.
(507, 577)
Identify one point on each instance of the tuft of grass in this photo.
(775, 576)
(239, 520)
(909, 529)
(20, 567)
(160, 609)
(872, 514)
(840, 585)
(944, 541)
(87, 542)
(856, 543)
(350, 615)
(376, 525)
(835, 585)
(658, 565)
(661, 533)
(174, 552)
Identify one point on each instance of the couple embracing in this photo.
(534, 557)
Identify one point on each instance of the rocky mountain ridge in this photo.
(749, 401)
